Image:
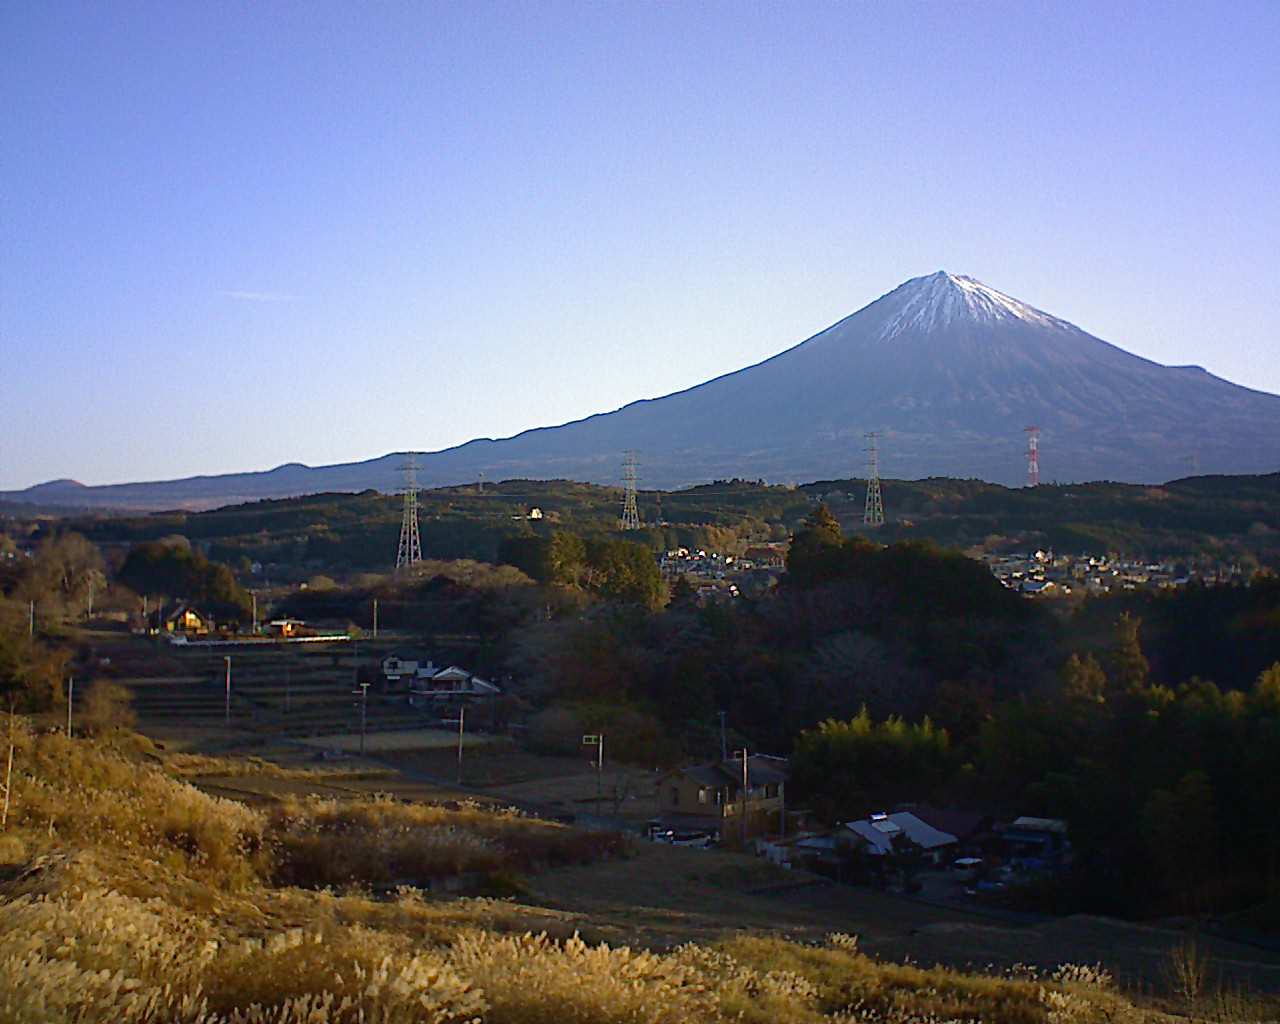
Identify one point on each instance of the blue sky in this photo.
(234, 235)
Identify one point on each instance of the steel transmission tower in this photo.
(873, 511)
(630, 512)
(410, 551)
(1033, 456)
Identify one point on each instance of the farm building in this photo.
(712, 795)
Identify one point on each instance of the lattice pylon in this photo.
(409, 553)
(1033, 456)
(630, 519)
(873, 510)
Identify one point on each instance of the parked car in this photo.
(700, 840)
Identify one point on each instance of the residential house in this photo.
(452, 683)
(712, 796)
(1036, 843)
(881, 833)
(814, 851)
(402, 666)
(972, 829)
(182, 618)
(285, 628)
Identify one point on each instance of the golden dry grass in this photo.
(130, 896)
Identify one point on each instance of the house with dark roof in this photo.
(1036, 843)
(401, 667)
(182, 618)
(971, 828)
(449, 683)
(718, 798)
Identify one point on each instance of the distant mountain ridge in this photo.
(948, 369)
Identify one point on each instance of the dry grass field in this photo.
(132, 860)
(399, 740)
(128, 895)
(664, 896)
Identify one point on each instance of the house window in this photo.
(702, 795)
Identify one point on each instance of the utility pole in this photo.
(597, 741)
(8, 773)
(254, 595)
(71, 692)
(363, 693)
(31, 619)
(724, 745)
(375, 618)
(742, 799)
(226, 710)
(462, 725)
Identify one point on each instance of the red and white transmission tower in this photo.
(1033, 456)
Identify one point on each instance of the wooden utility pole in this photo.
(597, 741)
(71, 693)
(375, 618)
(8, 774)
(462, 724)
(742, 796)
(226, 710)
(363, 692)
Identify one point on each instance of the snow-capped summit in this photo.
(937, 301)
(967, 369)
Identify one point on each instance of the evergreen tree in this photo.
(1130, 667)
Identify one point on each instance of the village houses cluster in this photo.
(1046, 574)
(743, 801)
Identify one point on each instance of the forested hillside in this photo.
(1211, 519)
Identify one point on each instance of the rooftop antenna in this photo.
(873, 511)
(410, 551)
(630, 512)
(1033, 456)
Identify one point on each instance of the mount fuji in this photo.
(949, 370)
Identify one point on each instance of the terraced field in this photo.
(306, 694)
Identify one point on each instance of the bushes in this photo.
(93, 794)
(382, 841)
